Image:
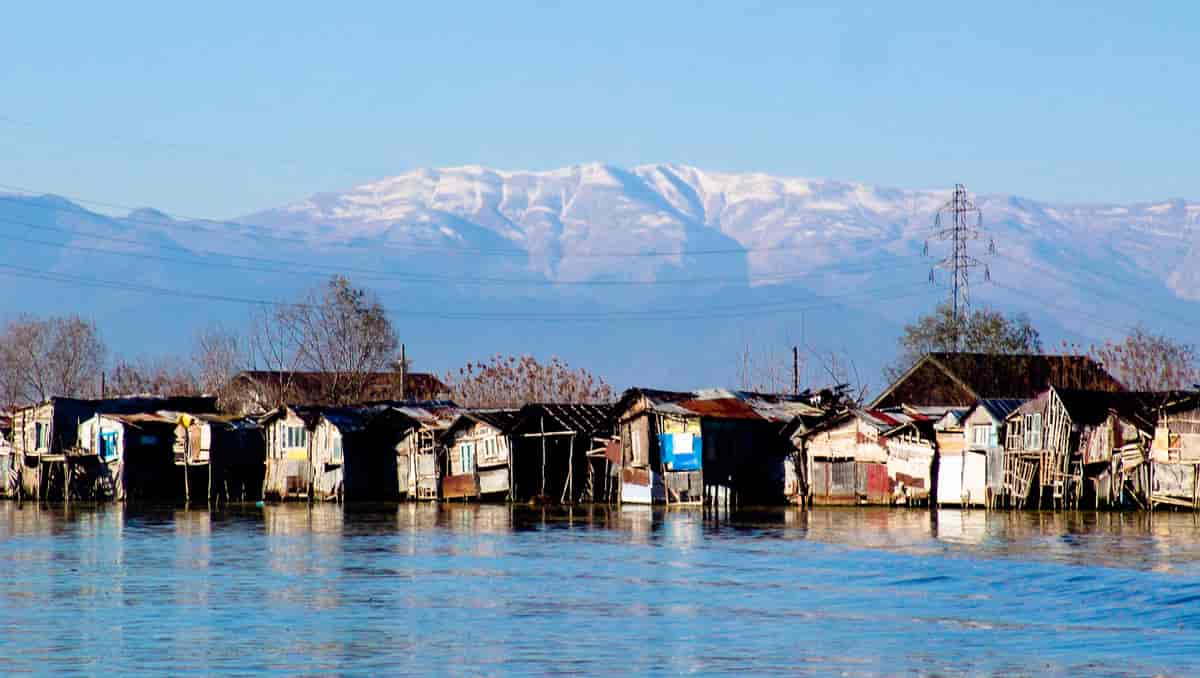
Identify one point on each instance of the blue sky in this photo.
(219, 109)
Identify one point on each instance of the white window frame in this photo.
(986, 430)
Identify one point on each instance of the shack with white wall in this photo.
(287, 434)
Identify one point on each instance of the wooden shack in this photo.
(714, 445)
(865, 456)
(353, 456)
(127, 457)
(551, 443)
(8, 473)
(970, 453)
(287, 434)
(478, 455)
(46, 434)
(413, 430)
(1071, 447)
(228, 450)
(1175, 453)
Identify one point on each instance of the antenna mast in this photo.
(959, 221)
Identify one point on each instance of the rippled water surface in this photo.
(493, 589)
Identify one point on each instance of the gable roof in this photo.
(964, 378)
(999, 408)
(584, 419)
(503, 421)
(1088, 408)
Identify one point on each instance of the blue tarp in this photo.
(681, 451)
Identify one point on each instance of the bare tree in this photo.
(514, 381)
(342, 332)
(57, 356)
(272, 348)
(765, 370)
(219, 355)
(1145, 361)
(149, 376)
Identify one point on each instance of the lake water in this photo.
(468, 589)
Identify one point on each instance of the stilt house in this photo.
(229, 450)
(679, 447)
(1069, 447)
(127, 457)
(971, 472)
(417, 428)
(478, 459)
(287, 434)
(1175, 453)
(557, 453)
(349, 463)
(868, 456)
(46, 437)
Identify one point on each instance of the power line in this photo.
(289, 267)
(740, 310)
(1134, 303)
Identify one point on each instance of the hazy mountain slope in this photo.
(660, 273)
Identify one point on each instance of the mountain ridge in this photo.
(650, 251)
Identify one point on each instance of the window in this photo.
(466, 458)
(981, 434)
(1033, 431)
(41, 436)
(295, 436)
(108, 441)
(337, 449)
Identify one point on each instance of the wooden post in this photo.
(542, 424)
(571, 470)
(187, 455)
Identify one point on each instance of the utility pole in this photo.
(796, 370)
(959, 221)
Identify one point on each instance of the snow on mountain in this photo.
(564, 218)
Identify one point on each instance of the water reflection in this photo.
(420, 588)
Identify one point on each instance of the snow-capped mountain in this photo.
(659, 271)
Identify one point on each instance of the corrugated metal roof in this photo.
(726, 404)
(1000, 408)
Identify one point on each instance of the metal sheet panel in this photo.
(995, 469)
(950, 473)
(974, 479)
(681, 451)
(820, 478)
(402, 473)
(842, 479)
(463, 485)
(878, 485)
(494, 481)
(633, 493)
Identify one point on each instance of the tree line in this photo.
(336, 329)
(346, 333)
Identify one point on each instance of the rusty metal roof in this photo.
(725, 404)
